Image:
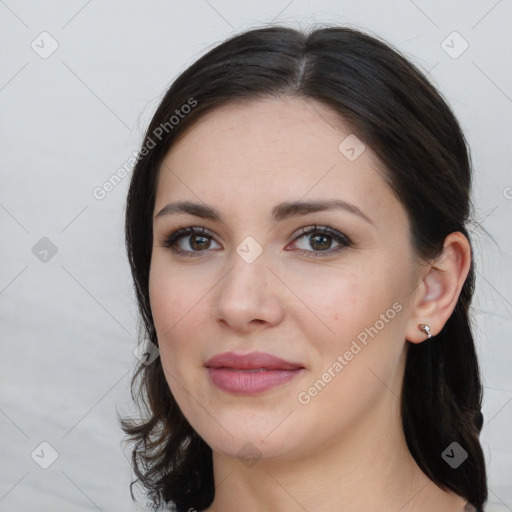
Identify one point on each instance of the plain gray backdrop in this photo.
(79, 81)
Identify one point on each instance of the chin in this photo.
(249, 440)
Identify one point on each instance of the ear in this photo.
(439, 288)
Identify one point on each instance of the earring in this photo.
(426, 329)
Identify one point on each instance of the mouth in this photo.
(252, 370)
(251, 361)
(250, 374)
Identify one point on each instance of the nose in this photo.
(248, 297)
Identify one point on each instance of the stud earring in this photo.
(426, 329)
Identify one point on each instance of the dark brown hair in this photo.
(391, 106)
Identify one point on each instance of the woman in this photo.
(296, 230)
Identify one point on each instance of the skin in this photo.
(345, 449)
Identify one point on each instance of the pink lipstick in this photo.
(250, 374)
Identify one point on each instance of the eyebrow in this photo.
(280, 212)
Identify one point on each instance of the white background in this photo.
(69, 121)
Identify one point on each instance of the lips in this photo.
(252, 361)
(250, 374)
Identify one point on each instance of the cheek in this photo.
(358, 315)
(175, 306)
(362, 348)
(342, 305)
(172, 294)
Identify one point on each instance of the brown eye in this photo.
(198, 243)
(190, 240)
(316, 240)
(320, 242)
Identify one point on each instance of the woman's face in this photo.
(326, 288)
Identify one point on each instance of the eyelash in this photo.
(343, 240)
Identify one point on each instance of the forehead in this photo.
(255, 154)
